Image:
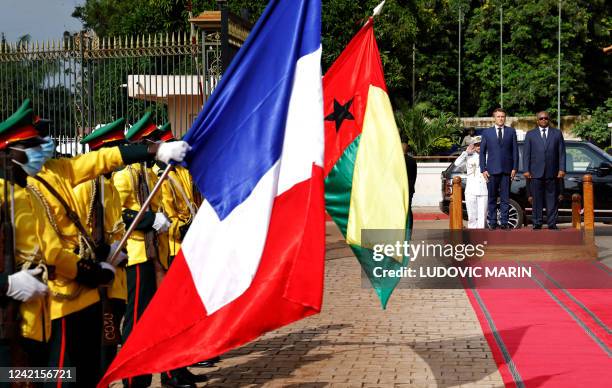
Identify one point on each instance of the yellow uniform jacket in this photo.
(30, 251)
(178, 203)
(126, 182)
(68, 296)
(114, 228)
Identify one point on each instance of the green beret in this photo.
(141, 129)
(18, 119)
(109, 130)
(18, 127)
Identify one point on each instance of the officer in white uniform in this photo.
(476, 186)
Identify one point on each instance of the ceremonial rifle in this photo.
(9, 308)
(110, 332)
(197, 195)
(150, 237)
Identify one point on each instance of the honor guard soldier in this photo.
(99, 204)
(25, 324)
(177, 197)
(180, 203)
(147, 247)
(74, 304)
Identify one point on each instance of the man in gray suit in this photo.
(544, 159)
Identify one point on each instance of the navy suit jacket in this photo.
(544, 159)
(496, 158)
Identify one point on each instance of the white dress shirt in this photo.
(497, 128)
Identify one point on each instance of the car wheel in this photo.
(515, 215)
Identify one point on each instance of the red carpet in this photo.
(553, 337)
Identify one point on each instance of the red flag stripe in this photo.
(288, 286)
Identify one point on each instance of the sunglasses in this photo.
(542, 118)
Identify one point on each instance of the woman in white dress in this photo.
(476, 186)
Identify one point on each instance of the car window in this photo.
(580, 159)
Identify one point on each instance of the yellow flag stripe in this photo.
(379, 197)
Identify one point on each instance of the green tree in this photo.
(425, 131)
(530, 30)
(596, 128)
(126, 17)
(431, 27)
(22, 78)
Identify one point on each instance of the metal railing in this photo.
(81, 82)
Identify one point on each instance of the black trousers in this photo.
(545, 192)
(141, 288)
(410, 215)
(117, 307)
(76, 342)
(31, 354)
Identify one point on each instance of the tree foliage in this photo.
(23, 78)
(426, 131)
(596, 128)
(431, 27)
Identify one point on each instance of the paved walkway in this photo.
(425, 338)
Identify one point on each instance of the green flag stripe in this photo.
(338, 191)
(339, 184)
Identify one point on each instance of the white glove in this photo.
(105, 265)
(161, 223)
(175, 150)
(23, 286)
(121, 256)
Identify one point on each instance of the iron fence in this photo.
(81, 82)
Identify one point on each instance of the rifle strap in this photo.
(72, 215)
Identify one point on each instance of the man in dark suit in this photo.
(544, 159)
(498, 164)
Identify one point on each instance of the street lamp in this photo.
(559, 73)
(501, 55)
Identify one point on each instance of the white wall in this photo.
(427, 188)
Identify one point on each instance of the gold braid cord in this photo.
(132, 172)
(176, 186)
(116, 227)
(92, 201)
(34, 260)
(41, 199)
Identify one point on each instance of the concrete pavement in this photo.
(425, 338)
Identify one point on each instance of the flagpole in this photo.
(140, 214)
(378, 9)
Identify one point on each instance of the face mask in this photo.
(48, 148)
(36, 159)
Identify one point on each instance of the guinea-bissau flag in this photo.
(366, 184)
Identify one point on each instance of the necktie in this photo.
(499, 135)
(544, 134)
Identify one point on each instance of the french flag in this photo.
(253, 259)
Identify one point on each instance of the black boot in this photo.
(173, 379)
(207, 363)
(186, 373)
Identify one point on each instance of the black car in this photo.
(581, 158)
